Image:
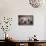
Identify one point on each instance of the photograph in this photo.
(25, 19)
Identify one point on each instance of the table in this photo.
(27, 42)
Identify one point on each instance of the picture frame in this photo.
(25, 19)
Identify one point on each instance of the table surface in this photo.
(42, 41)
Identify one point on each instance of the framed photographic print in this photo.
(25, 19)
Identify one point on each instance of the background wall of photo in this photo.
(13, 8)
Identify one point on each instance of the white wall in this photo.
(13, 8)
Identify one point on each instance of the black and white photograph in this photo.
(25, 19)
